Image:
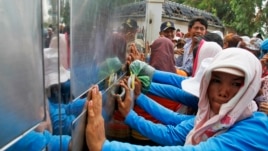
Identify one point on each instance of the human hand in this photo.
(124, 106)
(138, 87)
(179, 51)
(134, 54)
(147, 47)
(130, 36)
(264, 60)
(46, 124)
(263, 107)
(95, 131)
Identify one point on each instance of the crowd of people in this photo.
(221, 80)
(195, 91)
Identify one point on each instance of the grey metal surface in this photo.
(97, 55)
(108, 106)
(21, 83)
(93, 53)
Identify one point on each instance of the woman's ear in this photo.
(225, 44)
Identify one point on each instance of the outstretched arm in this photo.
(172, 134)
(238, 137)
(167, 78)
(160, 112)
(162, 134)
(174, 93)
(75, 107)
(156, 110)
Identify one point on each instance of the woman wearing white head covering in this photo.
(226, 119)
(171, 86)
(63, 49)
(239, 106)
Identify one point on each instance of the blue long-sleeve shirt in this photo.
(248, 134)
(174, 93)
(160, 112)
(37, 141)
(167, 78)
(176, 126)
(62, 118)
(168, 85)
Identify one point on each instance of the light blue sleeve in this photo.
(159, 133)
(174, 93)
(167, 78)
(75, 107)
(115, 146)
(37, 141)
(160, 112)
(61, 121)
(249, 134)
(57, 142)
(30, 142)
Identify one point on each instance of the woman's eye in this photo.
(215, 80)
(238, 84)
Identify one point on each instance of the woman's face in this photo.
(264, 60)
(222, 87)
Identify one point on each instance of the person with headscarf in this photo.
(226, 120)
(264, 57)
(262, 97)
(62, 43)
(164, 84)
(172, 86)
(162, 58)
(205, 50)
(162, 55)
(254, 46)
(62, 111)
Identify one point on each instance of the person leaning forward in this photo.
(226, 111)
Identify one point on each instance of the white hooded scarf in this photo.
(239, 107)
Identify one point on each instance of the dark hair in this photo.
(130, 24)
(207, 37)
(180, 43)
(214, 37)
(259, 36)
(67, 29)
(202, 20)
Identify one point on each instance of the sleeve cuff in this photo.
(140, 98)
(106, 146)
(54, 142)
(130, 117)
